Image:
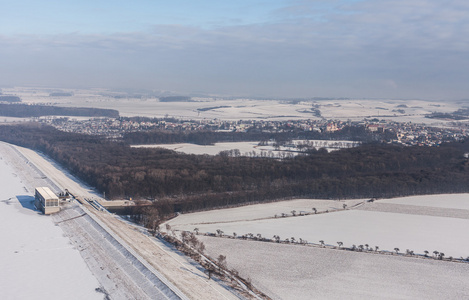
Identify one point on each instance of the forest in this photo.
(209, 137)
(8, 98)
(182, 182)
(24, 111)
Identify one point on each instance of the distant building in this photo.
(46, 200)
(331, 127)
(375, 128)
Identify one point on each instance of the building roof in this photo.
(46, 193)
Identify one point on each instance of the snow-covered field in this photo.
(243, 147)
(457, 201)
(37, 261)
(247, 109)
(286, 271)
(299, 272)
(259, 211)
(355, 227)
(250, 148)
(387, 230)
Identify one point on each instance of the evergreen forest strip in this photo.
(183, 182)
(25, 111)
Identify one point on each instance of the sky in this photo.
(401, 49)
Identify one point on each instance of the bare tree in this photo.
(201, 247)
(340, 244)
(277, 238)
(184, 235)
(210, 271)
(397, 250)
(193, 240)
(221, 262)
(196, 230)
(322, 243)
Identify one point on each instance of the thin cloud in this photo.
(314, 48)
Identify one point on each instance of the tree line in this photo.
(183, 182)
(208, 137)
(24, 111)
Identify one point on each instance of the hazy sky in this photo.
(273, 48)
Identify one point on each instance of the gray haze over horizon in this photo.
(305, 48)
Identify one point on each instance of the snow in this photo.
(260, 211)
(457, 201)
(388, 230)
(246, 109)
(299, 272)
(203, 149)
(292, 271)
(118, 276)
(248, 148)
(37, 261)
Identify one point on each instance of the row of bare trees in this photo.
(360, 248)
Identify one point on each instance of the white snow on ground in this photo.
(208, 149)
(458, 201)
(36, 260)
(298, 272)
(260, 211)
(286, 271)
(247, 148)
(119, 282)
(247, 109)
(388, 230)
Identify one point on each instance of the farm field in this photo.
(293, 271)
(258, 211)
(456, 201)
(387, 230)
(298, 272)
(250, 148)
(245, 109)
(356, 227)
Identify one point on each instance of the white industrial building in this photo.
(46, 200)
